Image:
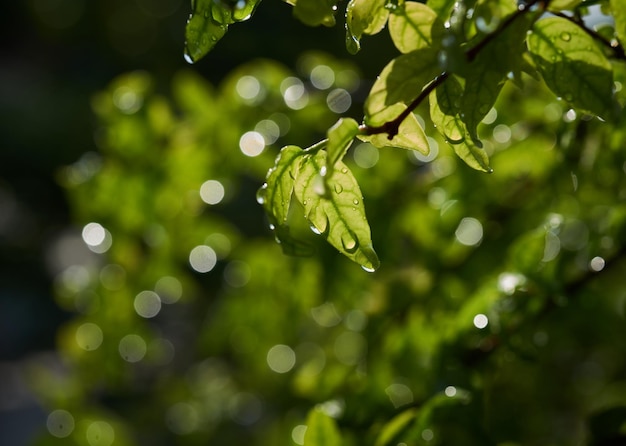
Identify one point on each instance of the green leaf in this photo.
(315, 12)
(401, 81)
(559, 5)
(445, 114)
(333, 205)
(364, 17)
(410, 134)
(484, 78)
(572, 66)
(275, 195)
(415, 26)
(340, 137)
(321, 430)
(392, 429)
(202, 32)
(619, 14)
(441, 7)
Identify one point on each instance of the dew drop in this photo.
(565, 36)
(261, 194)
(355, 201)
(188, 57)
(338, 188)
(349, 242)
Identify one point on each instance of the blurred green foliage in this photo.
(497, 315)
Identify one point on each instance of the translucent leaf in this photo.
(275, 195)
(393, 428)
(340, 137)
(558, 5)
(619, 14)
(444, 112)
(410, 134)
(484, 78)
(441, 7)
(202, 32)
(415, 26)
(209, 22)
(572, 65)
(333, 206)
(315, 12)
(321, 430)
(401, 81)
(364, 17)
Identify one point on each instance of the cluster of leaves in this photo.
(458, 55)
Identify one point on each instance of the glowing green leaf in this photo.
(315, 12)
(445, 114)
(415, 26)
(364, 17)
(557, 5)
(401, 81)
(571, 64)
(333, 205)
(340, 137)
(321, 430)
(441, 7)
(410, 134)
(394, 427)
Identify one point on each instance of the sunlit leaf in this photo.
(334, 207)
(364, 17)
(558, 5)
(619, 14)
(340, 137)
(202, 32)
(401, 81)
(321, 430)
(410, 134)
(275, 195)
(415, 26)
(315, 12)
(394, 427)
(484, 79)
(441, 7)
(572, 65)
(445, 113)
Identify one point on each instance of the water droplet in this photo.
(261, 194)
(338, 188)
(355, 201)
(344, 170)
(565, 36)
(349, 242)
(352, 43)
(188, 57)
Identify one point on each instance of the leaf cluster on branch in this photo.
(455, 55)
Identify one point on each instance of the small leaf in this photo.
(340, 137)
(202, 31)
(364, 17)
(619, 14)
(572, 66)
(321, 430)
(335, 208)
(444, 112)
(410, 134)
(275, 195)
(394, 427)
(315, 12)
(401, 81)
(415, 26)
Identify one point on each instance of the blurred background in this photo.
(143, 299)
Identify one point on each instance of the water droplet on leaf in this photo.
(349, 241)
(565, 36)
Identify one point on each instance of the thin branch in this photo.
(391, 127)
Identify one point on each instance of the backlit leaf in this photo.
(401, 81)
(340, 137)
(571, 64)
(321, 430)
(410, 134)
(445, 114)
(364, 17)
(415, 26)
(275, 195)
(315, 12)
(333, 205)
(202, 32)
